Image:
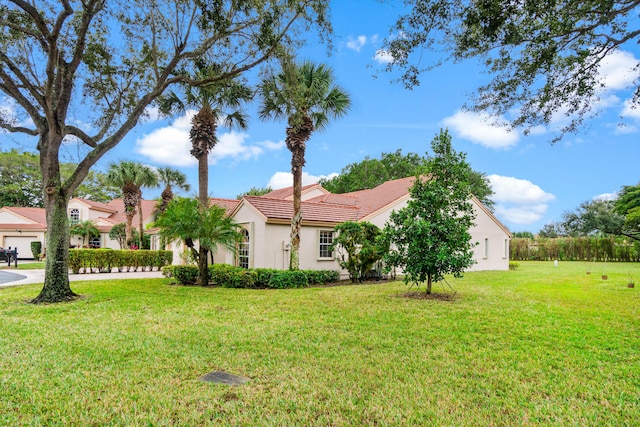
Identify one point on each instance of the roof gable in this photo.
(31, 215)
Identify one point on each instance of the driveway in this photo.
(25, 277)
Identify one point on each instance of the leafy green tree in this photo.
(628, 205)
(552, 230)
(359, 246)
(119, 234)
(199, 226)
(544, 56)
(57, 58)
(131, 177)
(255, 191)
(592, 217)
(170, 178)
(430, 236)
(523, 235)
(20, 179)
(85, 229)
(306, 95)
(370, 173)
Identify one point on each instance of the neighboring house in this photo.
(266, 222)
(21, 226)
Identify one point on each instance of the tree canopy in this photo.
(370, 173)
(544, 56)
(21, 181)
(107, 62)
(430, 236)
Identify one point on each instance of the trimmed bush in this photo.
(288, 280)
(36, 250)
(104, 260)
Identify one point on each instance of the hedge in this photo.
(228, 276)
(105, 260)
(575, 249)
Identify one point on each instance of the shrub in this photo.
(513, 265)
(36, 250)
(322, 277)
(288, 280)
(185, 274)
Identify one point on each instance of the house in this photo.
(19, 226)
(266, 223)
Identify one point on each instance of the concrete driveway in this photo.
(25, 277)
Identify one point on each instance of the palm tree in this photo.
(85, 229)
(171, 178)
(308, 98)
(187, 220)
(217, 103)
(131, 177)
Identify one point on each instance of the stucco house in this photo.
(266, 222)
(266, 225)
(20, 226)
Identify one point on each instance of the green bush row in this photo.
(228, 276)
(105, 260)
(575, 249)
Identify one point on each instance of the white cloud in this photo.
(617, 70)
(170, 145)
(606, 196)
(151, 114)
(630, 111)
(357, 43)
(383, 57)
(518, 201)
(285, 179)
(480, 129)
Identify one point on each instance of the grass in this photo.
(24, 266)
(539, 345)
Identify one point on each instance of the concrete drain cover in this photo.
(220, 377)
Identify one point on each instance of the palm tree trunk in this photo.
(203, 179)
(141, 222)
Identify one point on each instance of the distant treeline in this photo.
(575, 249)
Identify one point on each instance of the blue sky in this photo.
(534, 182)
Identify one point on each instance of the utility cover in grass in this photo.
(220, 377)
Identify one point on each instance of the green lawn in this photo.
(539, 345)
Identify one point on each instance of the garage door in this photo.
(23, 243)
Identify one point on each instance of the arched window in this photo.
(243, 250)
(95, 242)
(74, 216)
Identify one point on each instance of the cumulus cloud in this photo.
(518, 201)
(285, 179)
(617, 70)
(151, 114)
(383, 56)
(480, 128)
(170, 145)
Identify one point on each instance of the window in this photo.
(95, 242)
(243, 250)
(485, 253)
(506, 248)
(325, 238)
(74, 216)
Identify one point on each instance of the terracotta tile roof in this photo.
(96, 205)
(228, 204)
(287, 193)
(370, 201)
(36, 215)
(278, 209)
(148, 208)
(21, 227)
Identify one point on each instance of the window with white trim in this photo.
(325, 239)
(74, 216)
(95, 242)
(485, 253)
(243, 250)
(506, 248)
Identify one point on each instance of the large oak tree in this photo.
(544, 56)
(106, 62)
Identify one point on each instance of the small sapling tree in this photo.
(430, 236)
